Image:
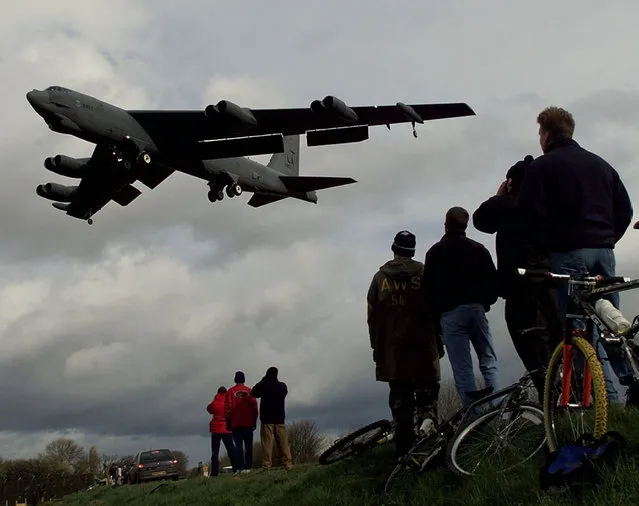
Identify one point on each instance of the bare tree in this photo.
(94, 461)
(65, 454)
(305, 440)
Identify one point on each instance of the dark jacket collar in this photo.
(453, 234)
(561, 143)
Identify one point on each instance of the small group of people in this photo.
(234, 419)
(564, 211)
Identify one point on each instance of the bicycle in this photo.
(583, 292)
(374, 434)
(454, 433)
(378, 433)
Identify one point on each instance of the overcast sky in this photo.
(122, 331)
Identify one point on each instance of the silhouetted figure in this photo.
(460, 284)
(529, 303)
(272, 393)
(404, 343)
(576, 209)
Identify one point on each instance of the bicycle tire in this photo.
(529, 408)
(379, 427)
(598, 391)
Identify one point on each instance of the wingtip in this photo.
(471, 111)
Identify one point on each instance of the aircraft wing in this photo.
(104, 181)
(229, 120)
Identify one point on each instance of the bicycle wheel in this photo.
(514, 437)
(418, 457)
(563, 425)
(356, 442)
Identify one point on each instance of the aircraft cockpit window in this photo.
(58, 88)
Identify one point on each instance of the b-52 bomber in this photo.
(149, 145)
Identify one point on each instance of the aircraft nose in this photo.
(34, 97)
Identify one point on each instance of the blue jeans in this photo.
(593, 261)
(461, 326)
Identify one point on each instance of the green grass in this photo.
(361, 482)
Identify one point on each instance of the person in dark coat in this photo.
(404, 342)
(529, 303)
(459, 286)
(272, 394)
(576, 208)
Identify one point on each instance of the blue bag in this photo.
(579, 464)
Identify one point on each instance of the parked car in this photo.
(153, 465)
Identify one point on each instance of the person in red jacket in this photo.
(241, 413)
(220, 433)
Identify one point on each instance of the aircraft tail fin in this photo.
(288, 161)
(303, 184)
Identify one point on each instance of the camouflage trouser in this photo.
(407, 398)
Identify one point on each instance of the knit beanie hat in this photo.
(404, 244)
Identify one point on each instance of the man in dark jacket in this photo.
(404, 344)
(530, 304)
(576, 207)
(272, 393)
(459, 285)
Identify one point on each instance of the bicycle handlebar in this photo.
(573, 278)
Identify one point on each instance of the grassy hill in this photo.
(361, 482)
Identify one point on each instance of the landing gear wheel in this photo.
(220, 194)
(125, 164)
(144, 158)
(90, 221)
(212, 196)
(236, 189)
(229, 192)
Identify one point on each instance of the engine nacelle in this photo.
(55, 191)
(66, 166)
(229, 109)
(336, 106)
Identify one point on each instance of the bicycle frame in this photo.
(582, 293)
(448, 427)
(506, 393)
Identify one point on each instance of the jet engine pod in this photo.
(55, 191)
(211, 112)
(317, 107)
(66, 166)
(227, 108)
(338, 106)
